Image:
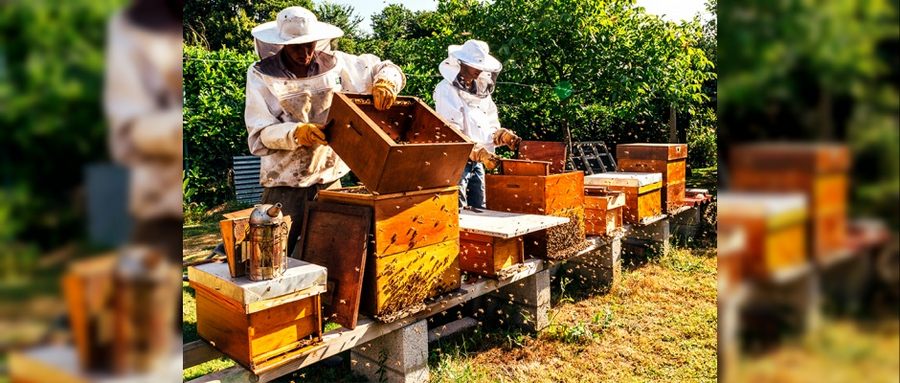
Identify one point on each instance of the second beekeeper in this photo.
(289, 93)
(463, 98)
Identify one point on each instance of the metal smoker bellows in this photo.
(268, 242)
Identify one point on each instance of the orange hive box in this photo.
(666, 159)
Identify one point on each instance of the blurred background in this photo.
(809, 152)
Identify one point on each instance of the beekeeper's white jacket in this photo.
(476, 117)
(277, 101)
(142, 100)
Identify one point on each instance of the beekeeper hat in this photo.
(295, 25)
(476, 54)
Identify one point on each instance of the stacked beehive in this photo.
(817, 170)
(409, 160)
(642, 193)
(669, 160)
(603, 210)
(526, 188)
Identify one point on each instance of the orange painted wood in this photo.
(408, 147)
(405, 221)
(651, 151)
(550, 151)
(818, 170)
(488, 256)
(415, 254)
(599, 217)
(257, 341)
(770, 245)
(558, 195)
(88, 290)
(666, 159)
(640, 202)
(525, 167)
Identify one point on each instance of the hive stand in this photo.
(652, 235)
(399, 356)
(600, 268)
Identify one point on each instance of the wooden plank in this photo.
(550, 151)
(524, 167)
(198, 352)
(344, 257)
(505, 225)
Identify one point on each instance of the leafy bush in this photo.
(214, 129)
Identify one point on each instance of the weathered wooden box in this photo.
(774, 226)
(489, 256)
(407, 147)
(558, 195)
(666, 159)
(415, 250)
(818, 170)
(263, 324)
(603, 210)
(642, 193)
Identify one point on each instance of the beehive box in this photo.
(603, 210)
(415, 253)
(774, 227)
(489, 256)
(550, 151)
(642, 193)
(262, 324)
(666, 159)
(407, 147)
(558, 195)
(818, 170)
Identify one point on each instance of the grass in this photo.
(657, 324)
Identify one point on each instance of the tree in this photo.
(218, 24)
(393, 22)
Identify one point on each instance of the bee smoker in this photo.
(268, 243)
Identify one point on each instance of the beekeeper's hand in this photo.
(310, 134)
(383, 94)
(506, 137)
(480, 154)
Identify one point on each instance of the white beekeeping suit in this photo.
(472, 110)
(143, 103)
(277, 101)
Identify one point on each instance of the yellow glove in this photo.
(383, 94)
(310, 134)
(506, 137)
(480, 154)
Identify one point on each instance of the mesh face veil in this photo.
(482, 86)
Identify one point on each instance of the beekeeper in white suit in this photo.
(463, 98)
(289, 93)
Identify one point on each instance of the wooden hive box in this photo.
(603, 210)
(415, 253)
(407, 147)
(558, 195)
(642, 193)
(666, 159)
(818, 170)
(262, 324)
(490, 256)
(774, 227)
(550, 151)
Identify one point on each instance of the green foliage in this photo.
(214, 130)
(219, 24)
(51, 75)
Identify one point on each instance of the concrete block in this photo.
(400, 356)
(599, 269)
(524, 303)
